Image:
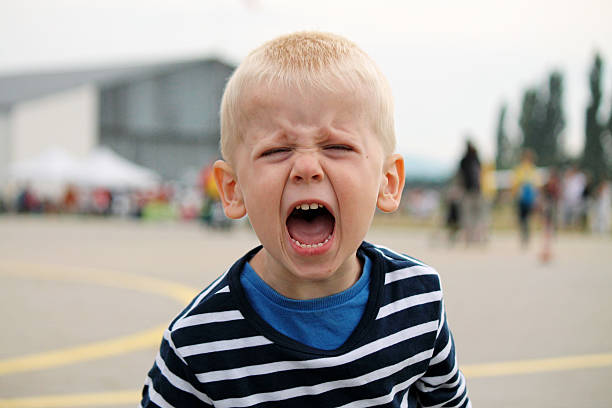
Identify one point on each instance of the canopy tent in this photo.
(104, 168)
(51, 171)
(53, 165)
(47, 174)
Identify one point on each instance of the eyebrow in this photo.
(321, 136)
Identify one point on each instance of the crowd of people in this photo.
(168, 201)
(565, 198)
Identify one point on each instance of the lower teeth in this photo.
(298, 243)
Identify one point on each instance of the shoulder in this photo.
(392, 260)
(410, 294)
(399, 268)
(216, 298)
(213, 299)
(212, 312)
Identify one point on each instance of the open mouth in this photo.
(310, 225)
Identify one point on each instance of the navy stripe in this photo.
(222, 354)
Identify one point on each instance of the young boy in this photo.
(314, 317)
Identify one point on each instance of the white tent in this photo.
(50, 172)
(53, 165)
(105, 168)
(47, 174)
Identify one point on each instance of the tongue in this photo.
(310, 231)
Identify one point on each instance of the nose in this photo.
(306, 168)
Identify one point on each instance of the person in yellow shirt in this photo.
(210, 187)
(488, 188)
(525, 184)
(212, 211)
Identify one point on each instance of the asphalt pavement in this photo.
(83, 302)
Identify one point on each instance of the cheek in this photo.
(366, 183)
(361, 179)
(263, 193)
(358, 192)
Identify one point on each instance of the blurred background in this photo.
(124, 96)
(109, 124)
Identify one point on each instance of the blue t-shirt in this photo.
(324, 323)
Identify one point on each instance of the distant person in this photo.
(212, 210)
(28, 202)
(602, 206)
(488, 187)
(70, 200)
(525, 184)
(471, 203)
(453, 210)
(586, 201)
(551, 193)
(314, 317)
(102, 200)
(572, 189)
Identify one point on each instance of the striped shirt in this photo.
(219, 353)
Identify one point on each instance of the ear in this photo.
(229, 190)
(392, 184)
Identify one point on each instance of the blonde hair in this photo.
(313, 60)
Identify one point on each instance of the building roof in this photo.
(21, 87)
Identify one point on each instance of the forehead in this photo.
(289, 106)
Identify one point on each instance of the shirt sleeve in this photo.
(171, 383)
(443, 385)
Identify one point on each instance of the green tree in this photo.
(551, 151)
(542, 121)
(606, 141)
(505, 154)
(531, 119)
(593, 157)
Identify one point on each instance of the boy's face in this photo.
(316, 151)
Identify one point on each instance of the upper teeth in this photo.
(311, 206)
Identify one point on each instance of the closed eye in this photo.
(277, 150)
(339, 147)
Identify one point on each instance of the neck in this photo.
(301, 286)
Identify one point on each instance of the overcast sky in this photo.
(451, 64)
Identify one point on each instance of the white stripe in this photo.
(168, 337)
(406, 257)
(384, 399)
(405, 400)
(223, 345)
(441, 356)
(442, 320)
(441, 379)
(459, 392)
(410, 272)
(461, 401)
(408, 302)
(224, 290)
(324, 362)
(154, 395)
(322, 387)
(178, 382)
(424, 388)
(201, 296)
(206, 318)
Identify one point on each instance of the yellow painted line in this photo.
(87, 352)
(122, 280)
(537, 365)
(98, 349)
(471, 371)
(131, 397)
(152, 337)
